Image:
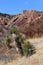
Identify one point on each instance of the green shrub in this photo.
(21, 38)
(8, 39)
(14, 30)
(28, 48)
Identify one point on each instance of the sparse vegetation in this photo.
(14, 30)
(8, 40)
(25, 48)
(19, 40)
(28, 48)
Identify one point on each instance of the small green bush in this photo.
(28, 48)
(21, 38)
(14, 30)
(19, 41)
(7, 39)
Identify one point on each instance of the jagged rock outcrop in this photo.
(32, 25)
(29, 23)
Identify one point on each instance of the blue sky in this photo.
(17, 6)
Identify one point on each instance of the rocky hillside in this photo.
(29, 23)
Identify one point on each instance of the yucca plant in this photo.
(28, 48)
(20, 40)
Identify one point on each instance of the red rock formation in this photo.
(29, 22)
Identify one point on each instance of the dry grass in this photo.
(36, 59)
